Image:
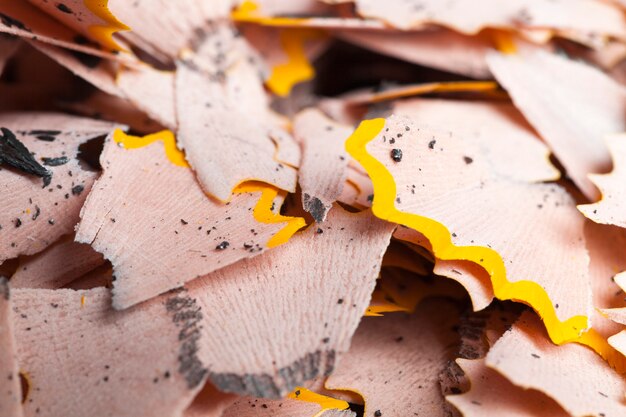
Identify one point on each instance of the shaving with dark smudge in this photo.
(187, 316)
(15, 154)
(286, 379)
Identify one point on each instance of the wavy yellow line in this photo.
(104, 33)
(175, 155)
(527, 292)
(263, 211)
(297, 68)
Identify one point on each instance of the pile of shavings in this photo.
(312, 208)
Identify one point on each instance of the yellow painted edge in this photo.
(504, 41)
(104, 33)
(527, 292)
(297, 68)
(174, 155)
(327, 403)
(263, 211)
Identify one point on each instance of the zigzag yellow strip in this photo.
(175, 155)
(527, 292)
(297, 68)
(262, 211)
(104, 33)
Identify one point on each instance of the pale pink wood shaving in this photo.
(168, 26)
(437, 48)
(33, 217)
(618, 341)
(150, 90)
(618, 315)
(507, 142)
(472, 277)
(611, 209)
(395, 360)
(324, 167)
(10, 390)
(152, 220)
(224, 122)
(573, 375)
(232, 71)
(471, 16)
(572, 105)
(443, 177)
(57, 266)
(361, 190)
(620, 280)
(606, 254)
(325, 265)
(72, 342)
(224, 146)
(492, 395)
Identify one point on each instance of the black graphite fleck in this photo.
(15, 154)
(377, 413)
(431, 144)
(46, 138)
(396, 155)
(90, 61)
(55, 162)
(468, 160)
(36, 213)
(62, 7)
(44, 132)
(222, 245)
(18, 222)
(78, 189)
(12, 22)
(314, 206)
